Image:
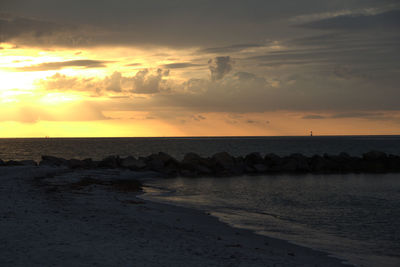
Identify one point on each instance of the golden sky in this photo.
(66, 76)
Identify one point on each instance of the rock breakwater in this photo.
(224, 164)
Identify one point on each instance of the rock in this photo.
(110, 162)
(191, 158)
(133, 163)
(226, 165)
(80, 164)
(193, 165)
(374, 155)
(344, 155)
(317, 164)
(253, 158)
(343, 163)
(13, 163)
(224, 161)
(163, 163)
(28, 163)
(53, 161)
(393, 163)
(293, 163)
(89, 163)
(254, 163)
(272, 160)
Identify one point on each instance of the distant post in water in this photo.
(310, 133)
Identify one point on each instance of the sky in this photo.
(126, 68)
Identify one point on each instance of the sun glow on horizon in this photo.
(88, 92)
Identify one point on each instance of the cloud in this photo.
(348, 115)
(28, 31)
(198, 117)
(84, 63)
(228, 26)
(114, 83)
(313, 117)
(389, 20)
(219, 67)
(229, 49)
(180, 65)
(133, 64)
(344, 115)
(146, 82)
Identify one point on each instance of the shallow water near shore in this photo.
(354, 217)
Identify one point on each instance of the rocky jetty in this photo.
(224, 164)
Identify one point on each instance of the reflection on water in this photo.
(353, 216)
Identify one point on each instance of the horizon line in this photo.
(204, 136)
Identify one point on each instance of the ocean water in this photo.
(355, 217)
(97, 148)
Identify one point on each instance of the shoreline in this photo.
(250, 232)
(43, 224)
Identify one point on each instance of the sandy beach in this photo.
(62, 217)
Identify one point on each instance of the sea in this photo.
(355, 217)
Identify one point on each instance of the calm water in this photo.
(98, 148)
(355, 217)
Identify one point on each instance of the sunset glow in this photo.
(84, 78)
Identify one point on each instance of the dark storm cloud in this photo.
(14, 26)
(86, 63)
(37, 32)
(385, 21)
(363, 51)
(180, 65)
(219, 67)
(222, 26)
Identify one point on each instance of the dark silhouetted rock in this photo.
(272, 159)
(81, 164)
(110, 162)
(254, 163)
(133, 163)
(13, 163)
(253, 158)
(374, 155)
(224, 160)
(193, 165)
(226, 165)
(53, 161)
(163, 163)
(28, 163)
(317, 164)
(293, 163)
